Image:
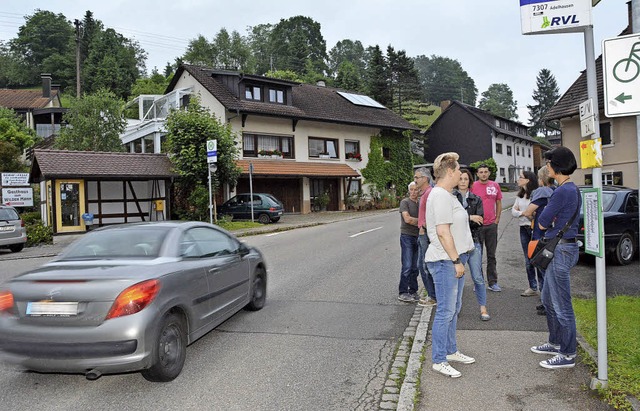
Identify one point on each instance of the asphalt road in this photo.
(324, 341)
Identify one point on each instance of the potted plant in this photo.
(354, 156)
(324, 154)
(270, 153)
(321, 201)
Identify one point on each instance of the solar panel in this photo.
(361, 100)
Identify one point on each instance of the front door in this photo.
(69, 206)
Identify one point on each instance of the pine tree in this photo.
(377, 85)
(545, 95)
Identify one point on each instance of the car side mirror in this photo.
(243, 249)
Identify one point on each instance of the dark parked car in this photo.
(13, 233)
(620, 215)
(266, 208)
(127, 298)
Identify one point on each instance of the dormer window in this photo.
(276, 96)
(253, 93)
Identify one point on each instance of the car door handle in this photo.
(214, 270)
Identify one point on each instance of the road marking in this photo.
(365, 232)
(272, 234)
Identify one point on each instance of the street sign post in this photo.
(212, 159)
(554, 16)
(212, 151)
(587, 119)
(621, 68)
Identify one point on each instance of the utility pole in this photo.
(78, 25)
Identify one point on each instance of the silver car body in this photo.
(13, 234)
(203, 289)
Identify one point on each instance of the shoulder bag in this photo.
(541, 252)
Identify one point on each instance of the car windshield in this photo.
(132, 242)
(8, 214)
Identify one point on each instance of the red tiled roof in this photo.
(24, 99)
(288, 168)
(309, 102)
(49, 164)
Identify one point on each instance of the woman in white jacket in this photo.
(527, 182)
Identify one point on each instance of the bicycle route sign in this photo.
(621, 68)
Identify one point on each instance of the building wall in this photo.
(206, 99)
(509, 166)
(620, 156)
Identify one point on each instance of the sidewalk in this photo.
(506, 375)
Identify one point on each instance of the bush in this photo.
(37, 233)
(30, 217)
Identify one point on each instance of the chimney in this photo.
(46, 85)
(444, 104)
(321, 83)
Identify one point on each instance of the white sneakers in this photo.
(460, 357)
(445, 368)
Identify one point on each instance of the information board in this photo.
(554, 16)
(593, 221)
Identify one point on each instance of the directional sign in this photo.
(587, 119)
(554, 16)
(621, 66)
(212, 151)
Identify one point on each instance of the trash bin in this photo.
(88, 220)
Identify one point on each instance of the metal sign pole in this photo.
(210, 204)
(635, 27)
(251, 189)
(601, 381)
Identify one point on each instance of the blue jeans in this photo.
(409, 258)
(475, 266)
(427, 278)
(449, 290)
(556, 297)
(525, 237)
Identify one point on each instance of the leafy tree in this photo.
(261, 47)
(95, 123)
(545, 95)
(377, 78)
(352, 52)
(403, 78)
(187, 134)
(284, 75)
(225, 51)
(199, 52)
(114, 63)
(15, 137)
(156, 83)
(296, 40)
(498, 100)
(45, 40)
(348, 77)
(443, 78)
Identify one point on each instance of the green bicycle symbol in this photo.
(630, 71)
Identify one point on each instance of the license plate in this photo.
(279, 212)
(52, 309)
(8, 228)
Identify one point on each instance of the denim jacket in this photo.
(474, 207)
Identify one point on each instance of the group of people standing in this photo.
(446, 225)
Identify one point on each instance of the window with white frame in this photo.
(253, 93)
(352, 149)
(276, 96)
(354, 187)
(508, 150)
(322, 147)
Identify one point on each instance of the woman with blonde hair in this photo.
(451, 241)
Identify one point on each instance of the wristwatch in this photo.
(457, 261)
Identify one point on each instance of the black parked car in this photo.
(266, 208)
(620, 215)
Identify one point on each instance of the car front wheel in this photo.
(169, 351)
(258, 290)
(625, 249)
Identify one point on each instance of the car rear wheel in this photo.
(169, 351)
(624, 250)
(258, 291)
(275, 220)
(264, 218)
(16, 247)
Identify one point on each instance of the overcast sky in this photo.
(484, 36)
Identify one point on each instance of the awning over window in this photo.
(285, 168)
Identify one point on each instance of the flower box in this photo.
(276, 156)
(324, 156)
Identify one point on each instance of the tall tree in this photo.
(349, 77)
(498, 100)
(349, 51)
(156, 83)
(545, 95)
(443, 78)
(403, 78)
(45, 41)
(15, 137)
(114, 63)
(261, 47)
(95, 123)
(377, 78)
(199, 52)
(296, 40)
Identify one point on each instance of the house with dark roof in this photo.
(41, 109)
(300, 140)
(479, 135)
(114, 188)
(618, 134)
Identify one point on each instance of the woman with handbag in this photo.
(527, 182)
(473, 204)
(560, 222)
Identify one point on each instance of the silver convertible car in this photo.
(129, 298)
